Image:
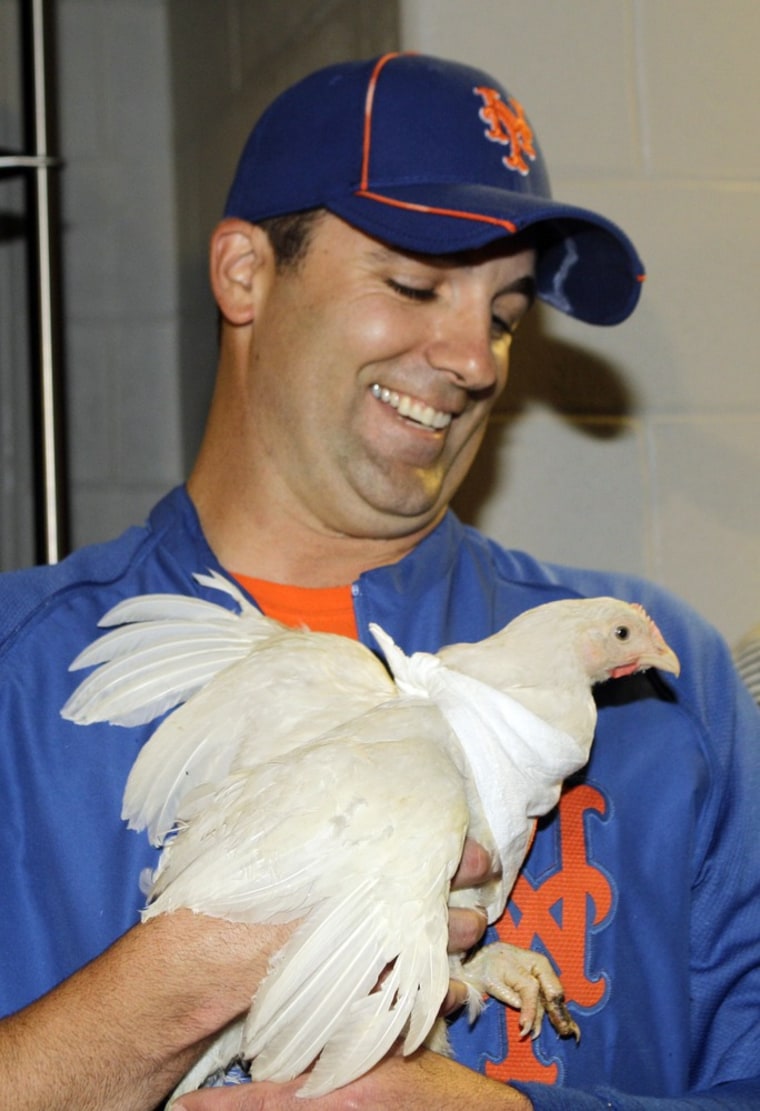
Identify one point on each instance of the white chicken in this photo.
(299, 781)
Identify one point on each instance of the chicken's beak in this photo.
(664, 658)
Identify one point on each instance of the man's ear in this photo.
(240, 257)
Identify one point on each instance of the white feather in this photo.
(173, 646)
(354, 1048)
(306, 996)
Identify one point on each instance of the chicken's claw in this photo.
(524, 980)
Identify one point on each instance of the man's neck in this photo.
(270, 545)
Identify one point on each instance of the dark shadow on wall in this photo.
(589, 392)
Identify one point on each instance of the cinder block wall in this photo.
(119, 260)
(636, 447)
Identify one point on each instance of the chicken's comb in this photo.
(652, 623)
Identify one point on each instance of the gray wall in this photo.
(119, 254)
(16, 507)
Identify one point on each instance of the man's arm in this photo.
(122, 1031)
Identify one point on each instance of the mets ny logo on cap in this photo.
(507, 125)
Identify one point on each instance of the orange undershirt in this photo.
(328, 609)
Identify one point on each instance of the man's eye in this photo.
(500, 327)
(411, 292)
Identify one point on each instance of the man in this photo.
(363, 345)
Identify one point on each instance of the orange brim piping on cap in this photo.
(506, 224)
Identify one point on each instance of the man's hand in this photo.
(466, 927)
(422, 1082)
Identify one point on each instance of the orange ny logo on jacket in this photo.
(558, 913)
(507, 125)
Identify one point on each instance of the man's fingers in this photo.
(456, 997)
(466, 928)
(476, 866)
(249, 1097)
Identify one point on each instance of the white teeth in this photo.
(407, 406)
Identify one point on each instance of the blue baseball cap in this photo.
(432, 157)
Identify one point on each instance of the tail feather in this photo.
(161, 637)
(367, 1032)
(336, 923)
(164, 607)
(136, 690)
(154, 607)
(218, 582)
(322, 998)
(425, 968)
(300, 1029)
(167, 647)
(176, 761)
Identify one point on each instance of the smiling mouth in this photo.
(409, 407)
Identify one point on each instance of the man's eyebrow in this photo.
(382, 253)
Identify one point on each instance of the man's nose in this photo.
(464, 346)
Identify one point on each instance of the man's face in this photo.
(372, 376)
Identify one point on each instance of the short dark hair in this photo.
(290, 235)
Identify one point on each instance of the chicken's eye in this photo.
(622, 632)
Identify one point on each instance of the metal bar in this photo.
(52, 541)
(26, 162)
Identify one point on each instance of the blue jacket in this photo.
(644, 886)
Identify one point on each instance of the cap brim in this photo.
(587, 266)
